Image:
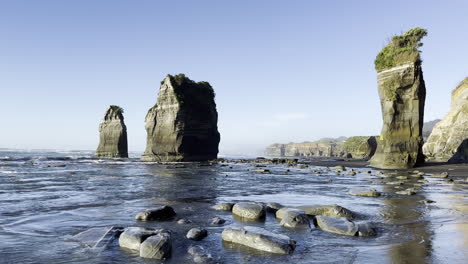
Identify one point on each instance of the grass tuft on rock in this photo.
(190, 92)
(116, 109)
(401, 49)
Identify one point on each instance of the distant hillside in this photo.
(428, 126)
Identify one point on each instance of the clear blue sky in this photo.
(282, 70)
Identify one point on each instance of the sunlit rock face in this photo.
(113, 135)
(183, 125)
(402, 96)
(448, 140)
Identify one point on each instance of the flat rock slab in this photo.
(157, 247)
(133, 237)
(332, 210)
(295, 219)
(364, 192)
(159, 213)
(341, 226)
(259, 239)
(249, 211)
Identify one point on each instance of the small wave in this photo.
(8, 171)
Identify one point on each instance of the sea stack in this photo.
(183, 125)
(402, 95)
(113, 135)
(448, 141)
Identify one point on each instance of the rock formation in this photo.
(183, 125)
(113, 135)
(449, 138)
(353, 147)
(402, 95)
(428, 127)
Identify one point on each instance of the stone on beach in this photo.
(337, 225)
(249, 211)
(332, 210)
(281, 212)
(273, 207)
(217, 220)
(133, 237)
(197, 234)
(223, 206)
(364, 192)
(259, 239)
(295, 219)
(163, 212)
(157, 247)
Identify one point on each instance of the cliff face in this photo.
(402, 95)
(353, 147)
(448, 140)
(183, 125)
(113, 135)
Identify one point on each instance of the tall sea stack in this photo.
(113, 135)
(183, 125)
(402, 95)
(448, 140)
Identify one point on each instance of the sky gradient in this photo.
(282, 71)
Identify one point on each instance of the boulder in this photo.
(112, 135)
(273, 207)
(133, 237)
(217, 220)
(402, 96)
(332, 210)
(223, 206)
(259, 239)
(163, 212)
(366, 229)
(197, 234)
(157, 247)
(448, 141)
(337, 225)
(295, 219)
(248, 211)
(183, 125)
(282, 211)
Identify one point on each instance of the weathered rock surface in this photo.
(183, 125)
(163, 212)
(132, 237)
(157, 247)
(248, 211)
(259, 239)
(295, 219)
(282, 211)
(365, 192)
(113, 135)
(332, 210)
(353, 147)
(360, 147)
(449, 138)
(197, 234)
(223, 206)
(340, 225)
(402, 96)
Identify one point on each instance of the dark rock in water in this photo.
(157, 247)
(200, 255)
(217, 220)
(402, 96)
(197, 234)
(113, 135)
(183, 125)
(133, 237)
(273, 207)
(295, 219)
(260, 239)
(160, 213)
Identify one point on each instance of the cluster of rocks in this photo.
(353, 147)
(182, 126)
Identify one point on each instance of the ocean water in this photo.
(55, 206)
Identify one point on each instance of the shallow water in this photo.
(46, 199)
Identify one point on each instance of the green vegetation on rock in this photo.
(116, 109)
(402, 49)
(199, 92)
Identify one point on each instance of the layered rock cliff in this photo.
(183, 125)
(113, 135)
(402, 96)
(449, 138)
(353, 147)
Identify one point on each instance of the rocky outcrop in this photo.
(428, 127)
(183, 125)
(113, 135)
(449, 138)
(360, 147)
(402, 96)
(353, 147)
